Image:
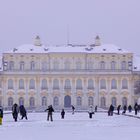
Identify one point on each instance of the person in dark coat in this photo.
(50, 111)
(130, 108)
(1, 114)
(62, 114)
(136, 108)
(124, 109)
(118, 109)
(96, 108)
(73, 109)
(15, 111)
(23, 112)
(110, 111)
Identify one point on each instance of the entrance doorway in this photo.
(67, 101)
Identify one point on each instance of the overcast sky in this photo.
(115, 21)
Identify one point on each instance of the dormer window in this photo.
(45, 49)
(15, 49)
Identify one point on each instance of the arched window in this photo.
(113, 65)
(113, 84)
(56, 65)
(79, 101)
(78, 65)
(78, 84)
(32, 84)
(90, 65)
(21, 67)
(10, 102)
(44, 84)
(90, 84)
(102, 65)
(44, 66)
(90, 101)
(55, 101)
(124, 84)
(67, 65)
(11, 65)
(21, 84)
(114, 101)
(44, 101)
(103, 102)
(124, 101)
(32, 102)
(55, 84)
(21, 101)
(102, 84)
(67, 84)
(32, 65)
(10, 84)
(123, 65)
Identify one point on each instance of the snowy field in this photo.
(73, 127)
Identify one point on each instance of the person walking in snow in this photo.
(130, 108)
(50, 111)
(90, 111)
(15, 111)
(96, 108)
(1, 114)
(118, 109)
(136, 108)
(124, 109)
(23, 112)
(62, 114)
(110, 111)
(73, 109)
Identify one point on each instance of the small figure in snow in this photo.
(73, 109)
(62, 114)
(50, 111)
(118, 109)
(136, 108)
(124, 109)
(90, 111)
(15, 111)
(110, 111)
(1, 114)
(130, 108)
(23, 112)
(96, 108)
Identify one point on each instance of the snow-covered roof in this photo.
(29, 48)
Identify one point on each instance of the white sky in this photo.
(116, 21)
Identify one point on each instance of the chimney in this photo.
(97, 41)
(37, 41)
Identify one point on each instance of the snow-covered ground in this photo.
(73, 127)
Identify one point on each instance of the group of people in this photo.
(15, 111)
(51, 110)
(111, 109)
(19, 109)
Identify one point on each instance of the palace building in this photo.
(36, 76)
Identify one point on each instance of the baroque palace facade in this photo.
(81, 75)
